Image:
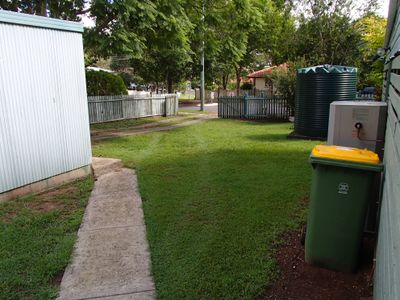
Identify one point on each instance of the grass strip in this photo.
(37, 235)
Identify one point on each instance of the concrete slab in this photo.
(108, 261)
(103, 165)
(111, 258)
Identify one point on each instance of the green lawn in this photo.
(217, 196)
(37, 235)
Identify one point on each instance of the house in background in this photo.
(260, 79)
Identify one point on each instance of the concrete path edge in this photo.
(111, 258)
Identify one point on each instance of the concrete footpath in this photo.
(111, 259)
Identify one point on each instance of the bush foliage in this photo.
(246, 86)
(284, 80)
(100, 83)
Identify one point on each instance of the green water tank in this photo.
(316, 88)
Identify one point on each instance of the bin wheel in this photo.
(303, 235)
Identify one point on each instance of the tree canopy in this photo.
(60, 9)
(161, 40)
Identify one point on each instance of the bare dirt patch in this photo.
(56, 280)
(51, 200)
(45, 206)
(299, 280)
(8, 217)
(59, 191)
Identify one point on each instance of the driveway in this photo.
(210, 107)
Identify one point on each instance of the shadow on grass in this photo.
(216, 197)
(269, 137)
(213, 217)
(263, 122)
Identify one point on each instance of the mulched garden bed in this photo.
(299, 280)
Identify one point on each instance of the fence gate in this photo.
(274, 108)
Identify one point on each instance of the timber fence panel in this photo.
(254, 107)
(112, 108)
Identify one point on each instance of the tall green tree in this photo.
(153, 34)
(269, 33)
(327, 35)
(327, 32)
(237, 33)
(121, 27)
(372, 29)
(60, 9)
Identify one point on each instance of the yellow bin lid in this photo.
(346, 153)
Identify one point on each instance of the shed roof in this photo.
(17, 18)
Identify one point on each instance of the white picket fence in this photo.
(112, 108)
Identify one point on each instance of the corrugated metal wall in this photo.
(387, 272)
(44, 126)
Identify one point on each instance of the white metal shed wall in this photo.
(44, 125)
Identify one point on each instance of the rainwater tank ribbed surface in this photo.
(316, 88)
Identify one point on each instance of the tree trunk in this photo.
(42, 9)
(238, 71)
(169, 85)
(225, 81)
(156, 87)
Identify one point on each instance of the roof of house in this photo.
(266, 71)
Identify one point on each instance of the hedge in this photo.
(100, 83)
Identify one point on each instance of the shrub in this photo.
(246, 86)
(100, 83)
(284, 80)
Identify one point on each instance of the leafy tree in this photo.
(237, 33)
(327, 37)
(269, 35)
(327, 32)
(121, 27)
(241, 20)
(372, 30)
(162, 39)
(60, 9)
(168, 54)
(150, 37)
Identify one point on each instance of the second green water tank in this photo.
(316, 88)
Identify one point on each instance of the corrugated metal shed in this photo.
(387, 271)
(44, 127)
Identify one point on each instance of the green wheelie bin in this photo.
(341, 184)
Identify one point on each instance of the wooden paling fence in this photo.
(111, 108)
(249, 107)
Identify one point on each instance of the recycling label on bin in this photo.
(343, 188)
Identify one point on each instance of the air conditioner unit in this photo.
(359, 124)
